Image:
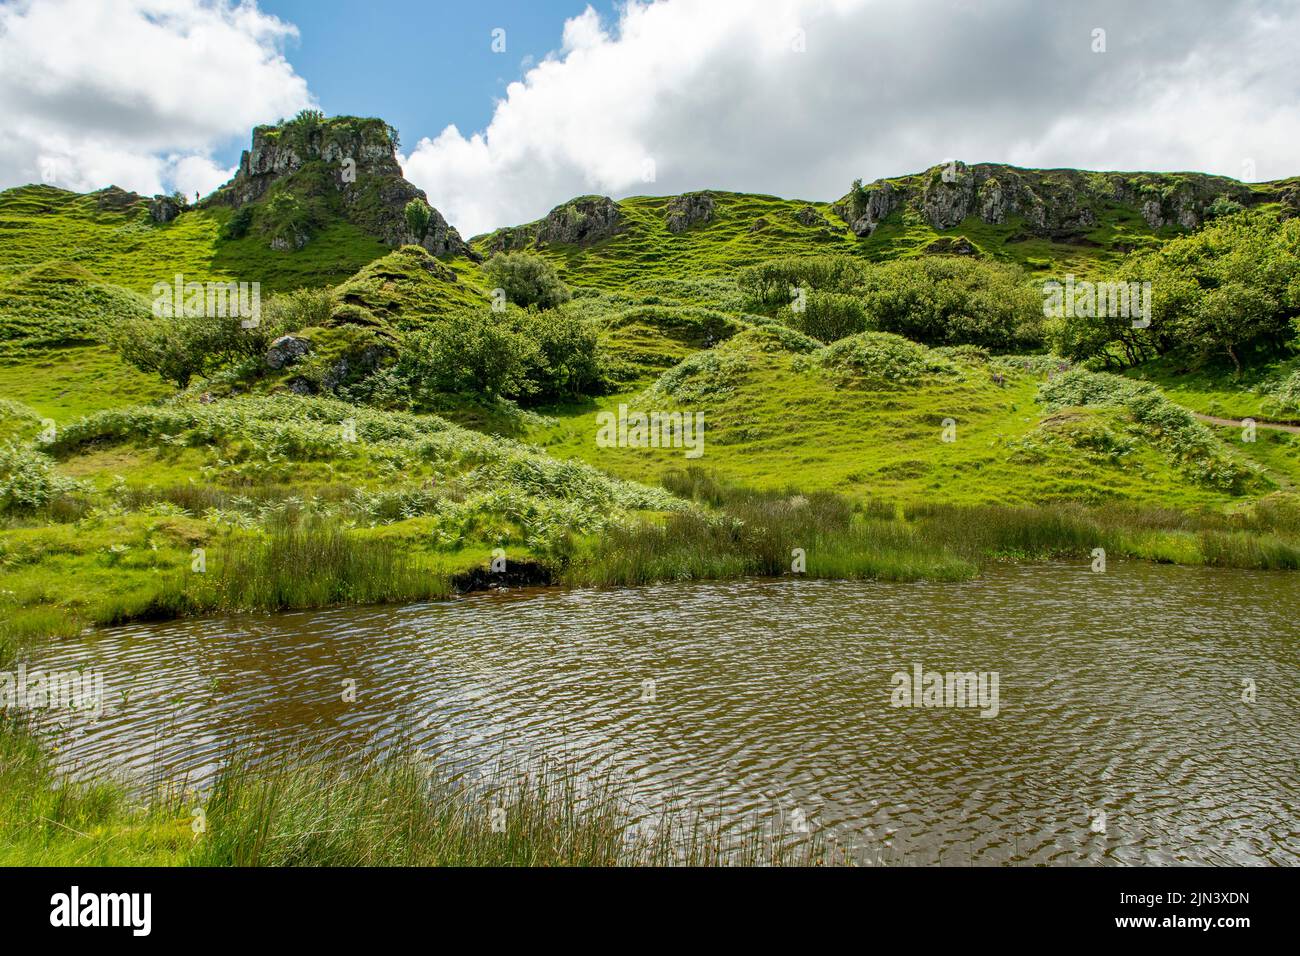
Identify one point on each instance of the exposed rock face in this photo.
(163, 209)
(579, 222)
(286, 350)
(1060, 204)
(359, 365)
(881, 200)
(689, 209)
(808, 216)
(951, 246)
(116, 199)
(290, 243)
(348, 164)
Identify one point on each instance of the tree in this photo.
(418, 215)
(858, 199)
(564, 360)
(467, 352)
(527, 279)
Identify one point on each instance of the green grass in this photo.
(40, 224)
(775, 418)
(327, 811)
(1214, 389)
(68, 383)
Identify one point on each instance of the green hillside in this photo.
(385, 421)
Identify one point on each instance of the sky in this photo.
(506, 109)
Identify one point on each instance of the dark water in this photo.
(1119, 694)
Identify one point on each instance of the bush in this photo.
(469, 352)
(1286, 397)
(28, 480)
(880, 358)
(953, 300)
(287, 312)
(527, 279)
(1228, 290)
(237, 226)
(288, 221)
(768, 284)
(564, 360)
(418, 215)
(830, 316)
(1168, 426)
(181, 347)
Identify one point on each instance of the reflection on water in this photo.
(1121, 735)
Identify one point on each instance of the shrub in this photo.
(768, 284)
(290, 311)
(288, 221)
(880, 358)
(1227, 290)
(1168, 426)
(28, 480)
(953, 300)
(471, 351)
(237, 226)
(527, 279)
(418, 215)
(564, 360)
(830, 316)
(1286, 397)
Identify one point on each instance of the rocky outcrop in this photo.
(115, 199)
(286, 350)
(865, 213)
(689, 209)
(808, 216)
(163, 209)
(1058, 204)
(347, 165)
(579, 222)
(951, 246)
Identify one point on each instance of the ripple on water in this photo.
(1119, 694)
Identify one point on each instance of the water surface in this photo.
(1119, 694)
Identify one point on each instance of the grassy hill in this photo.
(1086, 222)
(880, 433)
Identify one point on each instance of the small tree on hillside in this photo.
(418, 215)
(527, 279)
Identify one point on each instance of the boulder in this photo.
(808, 216)
(286, 350)
(163, 209)
(689, 209)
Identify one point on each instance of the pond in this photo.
(1146, 715)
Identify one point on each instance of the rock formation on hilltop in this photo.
(579, 222)
(300, 173)
(1058, 204)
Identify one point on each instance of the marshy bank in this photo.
(167, 564)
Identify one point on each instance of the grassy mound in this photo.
(100, 524)
(1151, 417)
(880, 360)
(410, 284)
(59, 304)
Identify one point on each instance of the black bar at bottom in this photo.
(335, 906)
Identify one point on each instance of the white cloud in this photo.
(139, 93)
(716, 94)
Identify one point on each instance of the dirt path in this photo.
(1237, 423)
